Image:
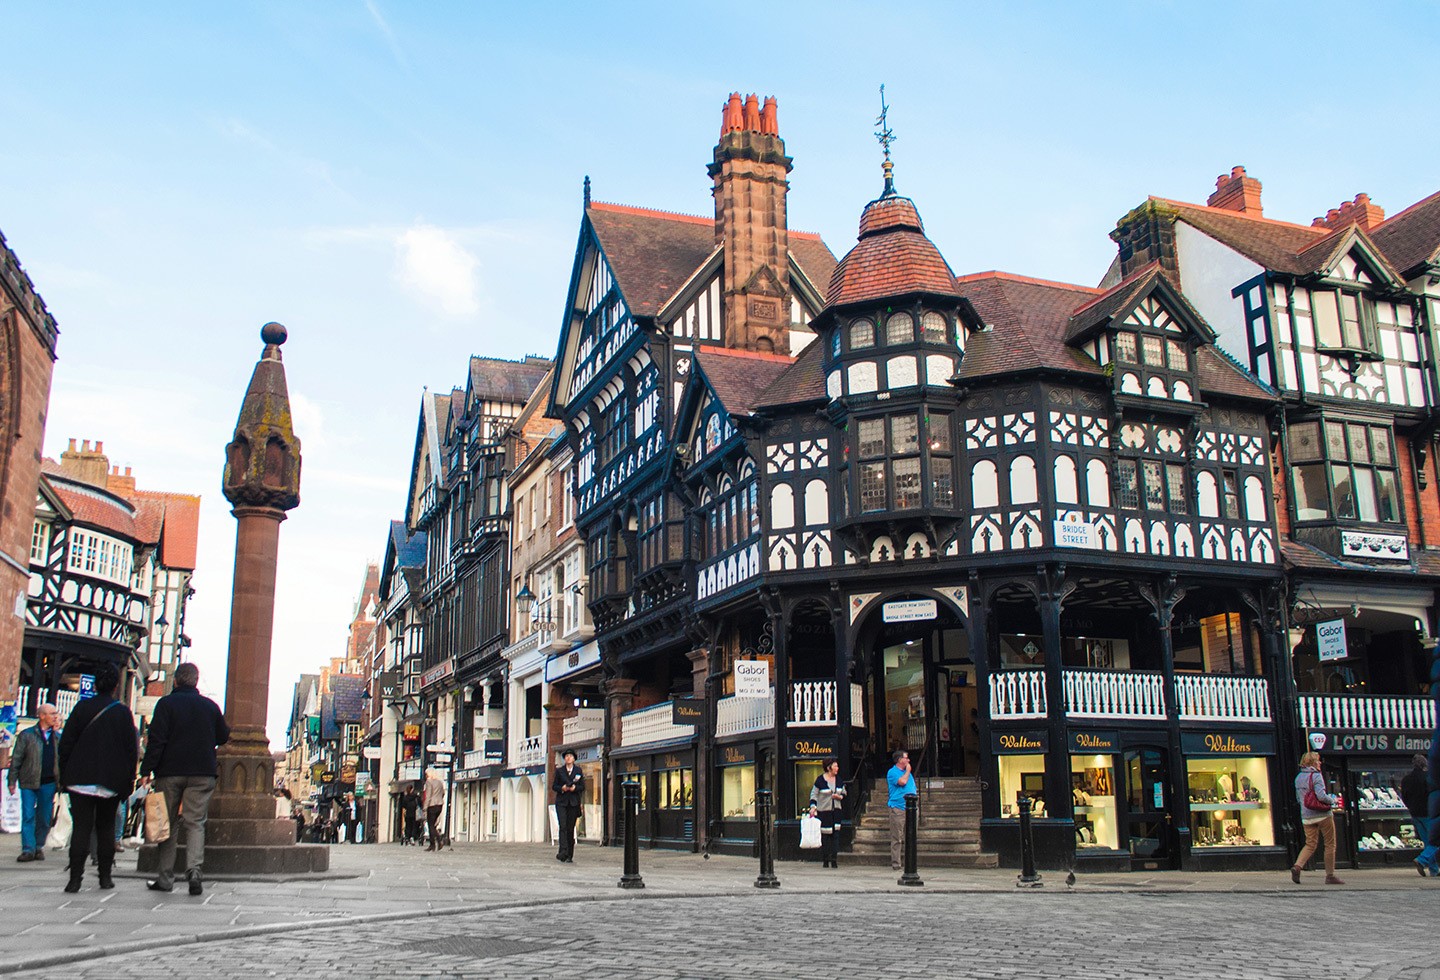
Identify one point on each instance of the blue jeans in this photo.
(1430, 835)
(36, 806)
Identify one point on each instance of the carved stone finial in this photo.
(262, 462)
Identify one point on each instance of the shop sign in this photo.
(1330, 640)
(362, 780)
(328, 776)
(752, 678)
(1020, 743)
(438, 673)
(687, 711)
(87, 686)
(411, 733)
(736, 755)
(494, 750)
(1365, 544)
(572, 661)
(1074, 534)
(390, 681)
(1083, 742)
(317, 769)
(631, 767)
(672, 761)
(347, 772)
(370, 751)
(909, 611)
(590, 753)
(1377, 743)
(809, 747)
(1227, 743)
(525, 771)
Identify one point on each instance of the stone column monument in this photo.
(262, 481)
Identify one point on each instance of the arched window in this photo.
(1024, 489)
(985, 484)
(1067, 488)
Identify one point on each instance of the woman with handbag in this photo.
(1316, 815)
(827, 801)
(99, 750)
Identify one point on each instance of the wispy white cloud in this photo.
(435, 268)
(387, 33)
(242, 132)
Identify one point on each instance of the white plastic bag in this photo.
(809, 833)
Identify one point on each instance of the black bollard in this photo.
(1027, 877)
(765, 814)
(631, 878)
(912, 835)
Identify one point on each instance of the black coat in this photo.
(99, 746)
(1415, 791)
(562, 779)
(183, 735)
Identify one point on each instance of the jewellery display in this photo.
(1227, 802)
(1384, 821)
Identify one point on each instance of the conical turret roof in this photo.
(892, 257)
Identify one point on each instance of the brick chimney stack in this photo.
(85, 464)
(750, 183)
(121, 483)
(1236, 192)
(1360, 211)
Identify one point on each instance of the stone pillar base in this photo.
(267, 859)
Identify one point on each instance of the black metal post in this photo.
(765, 812)
(1027, 877)
(912, 834)
(631, 878)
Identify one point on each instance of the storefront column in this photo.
(843, 718)
(1051, 591)
(1163, 598)
(704, 740)
(559, 706)
(779, 630)
(977, 626)
(1268, 607)
(619, 698)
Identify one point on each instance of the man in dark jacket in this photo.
(1415, 792)
(569, 787)
(35, 767)
(180, 755)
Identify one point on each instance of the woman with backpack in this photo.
(1316, 814)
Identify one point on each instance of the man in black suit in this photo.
(569, 786)
(180, 754)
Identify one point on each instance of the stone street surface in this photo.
(511, 911)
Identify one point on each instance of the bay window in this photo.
(1344, 470)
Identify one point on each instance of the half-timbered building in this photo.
(1338, 317)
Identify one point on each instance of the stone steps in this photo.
(949, 826)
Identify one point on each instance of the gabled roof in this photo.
(1322, 256)
(94, 507)
(1273, 244)
(499, 380)
(802, 381)
(178, 531)
(1121, 298)
(1411, 239)
(740, 377)
(651, 253)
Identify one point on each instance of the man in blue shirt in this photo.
(35, 767)
(902, 784)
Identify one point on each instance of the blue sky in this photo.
(400, 184)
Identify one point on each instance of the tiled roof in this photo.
(1105, 306)
(802, 381)
(179, 530)
(1297, 555)
(892, 258)
(328, 727)
(1411, 238)
(653, 253)
(1217, 373)
(409, 548)
(739, 377)
(95, 507)
(1027, 319)
(1273, 244)
(496, 379)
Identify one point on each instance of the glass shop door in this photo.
(1147, 796)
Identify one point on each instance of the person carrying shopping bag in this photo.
(1316, 814)
(827, 801)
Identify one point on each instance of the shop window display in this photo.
(1022, 773)
(805, 775)
(676, 789)
(1385, 823)
(737, 792)
(1092, 791)
(1228, 807)
(640, 779)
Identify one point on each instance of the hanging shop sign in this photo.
(371, 751)
(411, 733)
(909, 611)
(1020, 743)
(87, 686)
(687, 711)
(328, 776)
(347, 772)
(736, 755)
(494, 750)
(1330, 640)
(1074, 534)
(1083, 742)
(1375, 743)
(809, 747)
(1216, 744)
(752, 679)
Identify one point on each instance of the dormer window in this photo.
(1125, 347)
(1343, 320)
(932, 328)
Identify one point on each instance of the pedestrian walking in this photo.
(569, 787)
(180, 756)
(1415, 792)
(434, 803)
(35, 768)
(350, 813)
(902, 783)
(97, 769)
(827, 802)
(1316, 806)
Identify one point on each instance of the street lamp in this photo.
(524, 599)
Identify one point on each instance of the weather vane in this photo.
(885, 135)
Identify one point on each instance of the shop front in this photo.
(737, 777)
(667, 797)
(1366, 767)
(1236, 800)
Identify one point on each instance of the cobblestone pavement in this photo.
(763, 935)
(445, 904)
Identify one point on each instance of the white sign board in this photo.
(371, 751)
(1074, 534)
(752, 678)
(908, 611)
(1330, 639)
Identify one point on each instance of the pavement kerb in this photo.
(61, 957)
